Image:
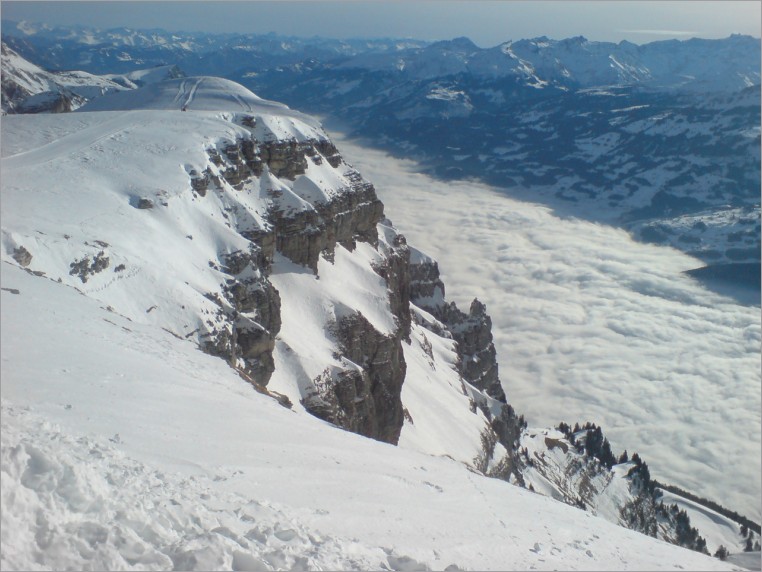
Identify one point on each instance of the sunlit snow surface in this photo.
(126, 448)
(592, 326)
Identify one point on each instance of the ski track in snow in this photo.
(192, 92)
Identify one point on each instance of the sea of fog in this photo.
(590, 325)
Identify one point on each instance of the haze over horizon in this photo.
(485, 23)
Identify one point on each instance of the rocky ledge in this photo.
(248, 316)
(361, 390)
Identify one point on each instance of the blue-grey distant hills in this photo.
(661, 138)
(695, 64)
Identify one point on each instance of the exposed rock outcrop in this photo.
(348, 215)
(396, 271)
(303, 236)
(477, 363)
(248, 317)
(84, 268)
(478, 358)
(365, 397)
(22, 256)
(472, 331)
(361, 391)
(200, 182)
(426, 287)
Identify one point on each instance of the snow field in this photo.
(720, 531)
(97, 445)
(103, 379)
(93, 508)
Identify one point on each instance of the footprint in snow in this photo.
(405, 563)
(285, 535)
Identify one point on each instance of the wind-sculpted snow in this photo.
(142, 452)
(93, 507)
(591, 326)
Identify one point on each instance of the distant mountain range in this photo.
(696, 64)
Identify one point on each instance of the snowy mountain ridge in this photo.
(123, 50)
(27, 88)
(244, 232)
(573, 63)
(695, 65)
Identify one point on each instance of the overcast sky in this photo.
(486, 23)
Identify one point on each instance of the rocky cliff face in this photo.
(477, 360)
(361, 389)
(472, 331)
(249, 319)
(366, 396)
(301, 235)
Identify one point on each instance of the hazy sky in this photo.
(486, 23)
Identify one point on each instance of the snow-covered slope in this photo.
(125, 448)
(27, 88)
(97, 243)
(718, 529)
(559, 464)
(147, 233)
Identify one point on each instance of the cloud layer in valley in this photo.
(592, 326)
